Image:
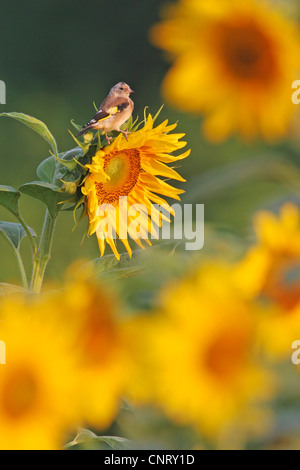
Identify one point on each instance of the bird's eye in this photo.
(121, 88)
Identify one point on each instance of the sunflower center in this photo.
(225, 355)
(283, 284)
(19, 393)
(246, 52)
(98, 336)
(123, 167)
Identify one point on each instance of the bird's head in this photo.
(121, 89)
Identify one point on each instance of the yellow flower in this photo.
(270, 271)
(38, 382)
(87, 311)
(199, 353)
(66, 362)
(270, 267)
(130, 169)
(234, 62)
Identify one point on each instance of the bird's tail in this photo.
(84, 130)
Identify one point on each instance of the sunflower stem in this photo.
(29, 234)
(43, 255)
(22, 269)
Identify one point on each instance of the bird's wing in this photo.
(109, 109)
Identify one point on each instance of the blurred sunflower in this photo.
(130, 169)
(96, 341)
(37, 383)
(271, 267)
(271, 271)
(199, 353)
(234, 62)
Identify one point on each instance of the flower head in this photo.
(270, 272)
(37, 383)
(96, 340)
(270, 268)
(130, 169)
(204, 333)
(234, 62)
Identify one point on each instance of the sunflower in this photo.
(96, 340)
(37, 383)
(123, 185)
(270, 272)
(234, 62)
(206, 334)
(271, 266)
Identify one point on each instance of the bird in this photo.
(113, 112)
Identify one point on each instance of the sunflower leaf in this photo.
(9, 288)
(158, 113)
(84, 146)
(69, 164)
(14, 233)
(109, 262)
(46, 170)
(87, 438)
(48, 193)
(36, 125)
(9, 198)
(109, 267)
(77, 126)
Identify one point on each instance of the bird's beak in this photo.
(131, 91)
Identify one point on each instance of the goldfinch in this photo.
(113, 112)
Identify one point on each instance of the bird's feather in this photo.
(103, 114)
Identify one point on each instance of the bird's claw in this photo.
(125, 133)
(108, 139)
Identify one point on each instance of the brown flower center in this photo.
(19, 393)
(225, 355)
(283, 283)
(123, 167)
(246, 51)
(98, 336)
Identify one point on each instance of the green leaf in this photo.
(36, 125)
(77, 126)
(9, 198)
(109, 262)
(71, 154)
(47, 193)
(69, 164)
(14, 233)
(9, 288)
(46, 170)
(83, 145)
(88, 439)
(109, 267)
(158, 113)
(69, 167)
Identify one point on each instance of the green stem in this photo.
(22, 269)
(29, 234)
(43, 254)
